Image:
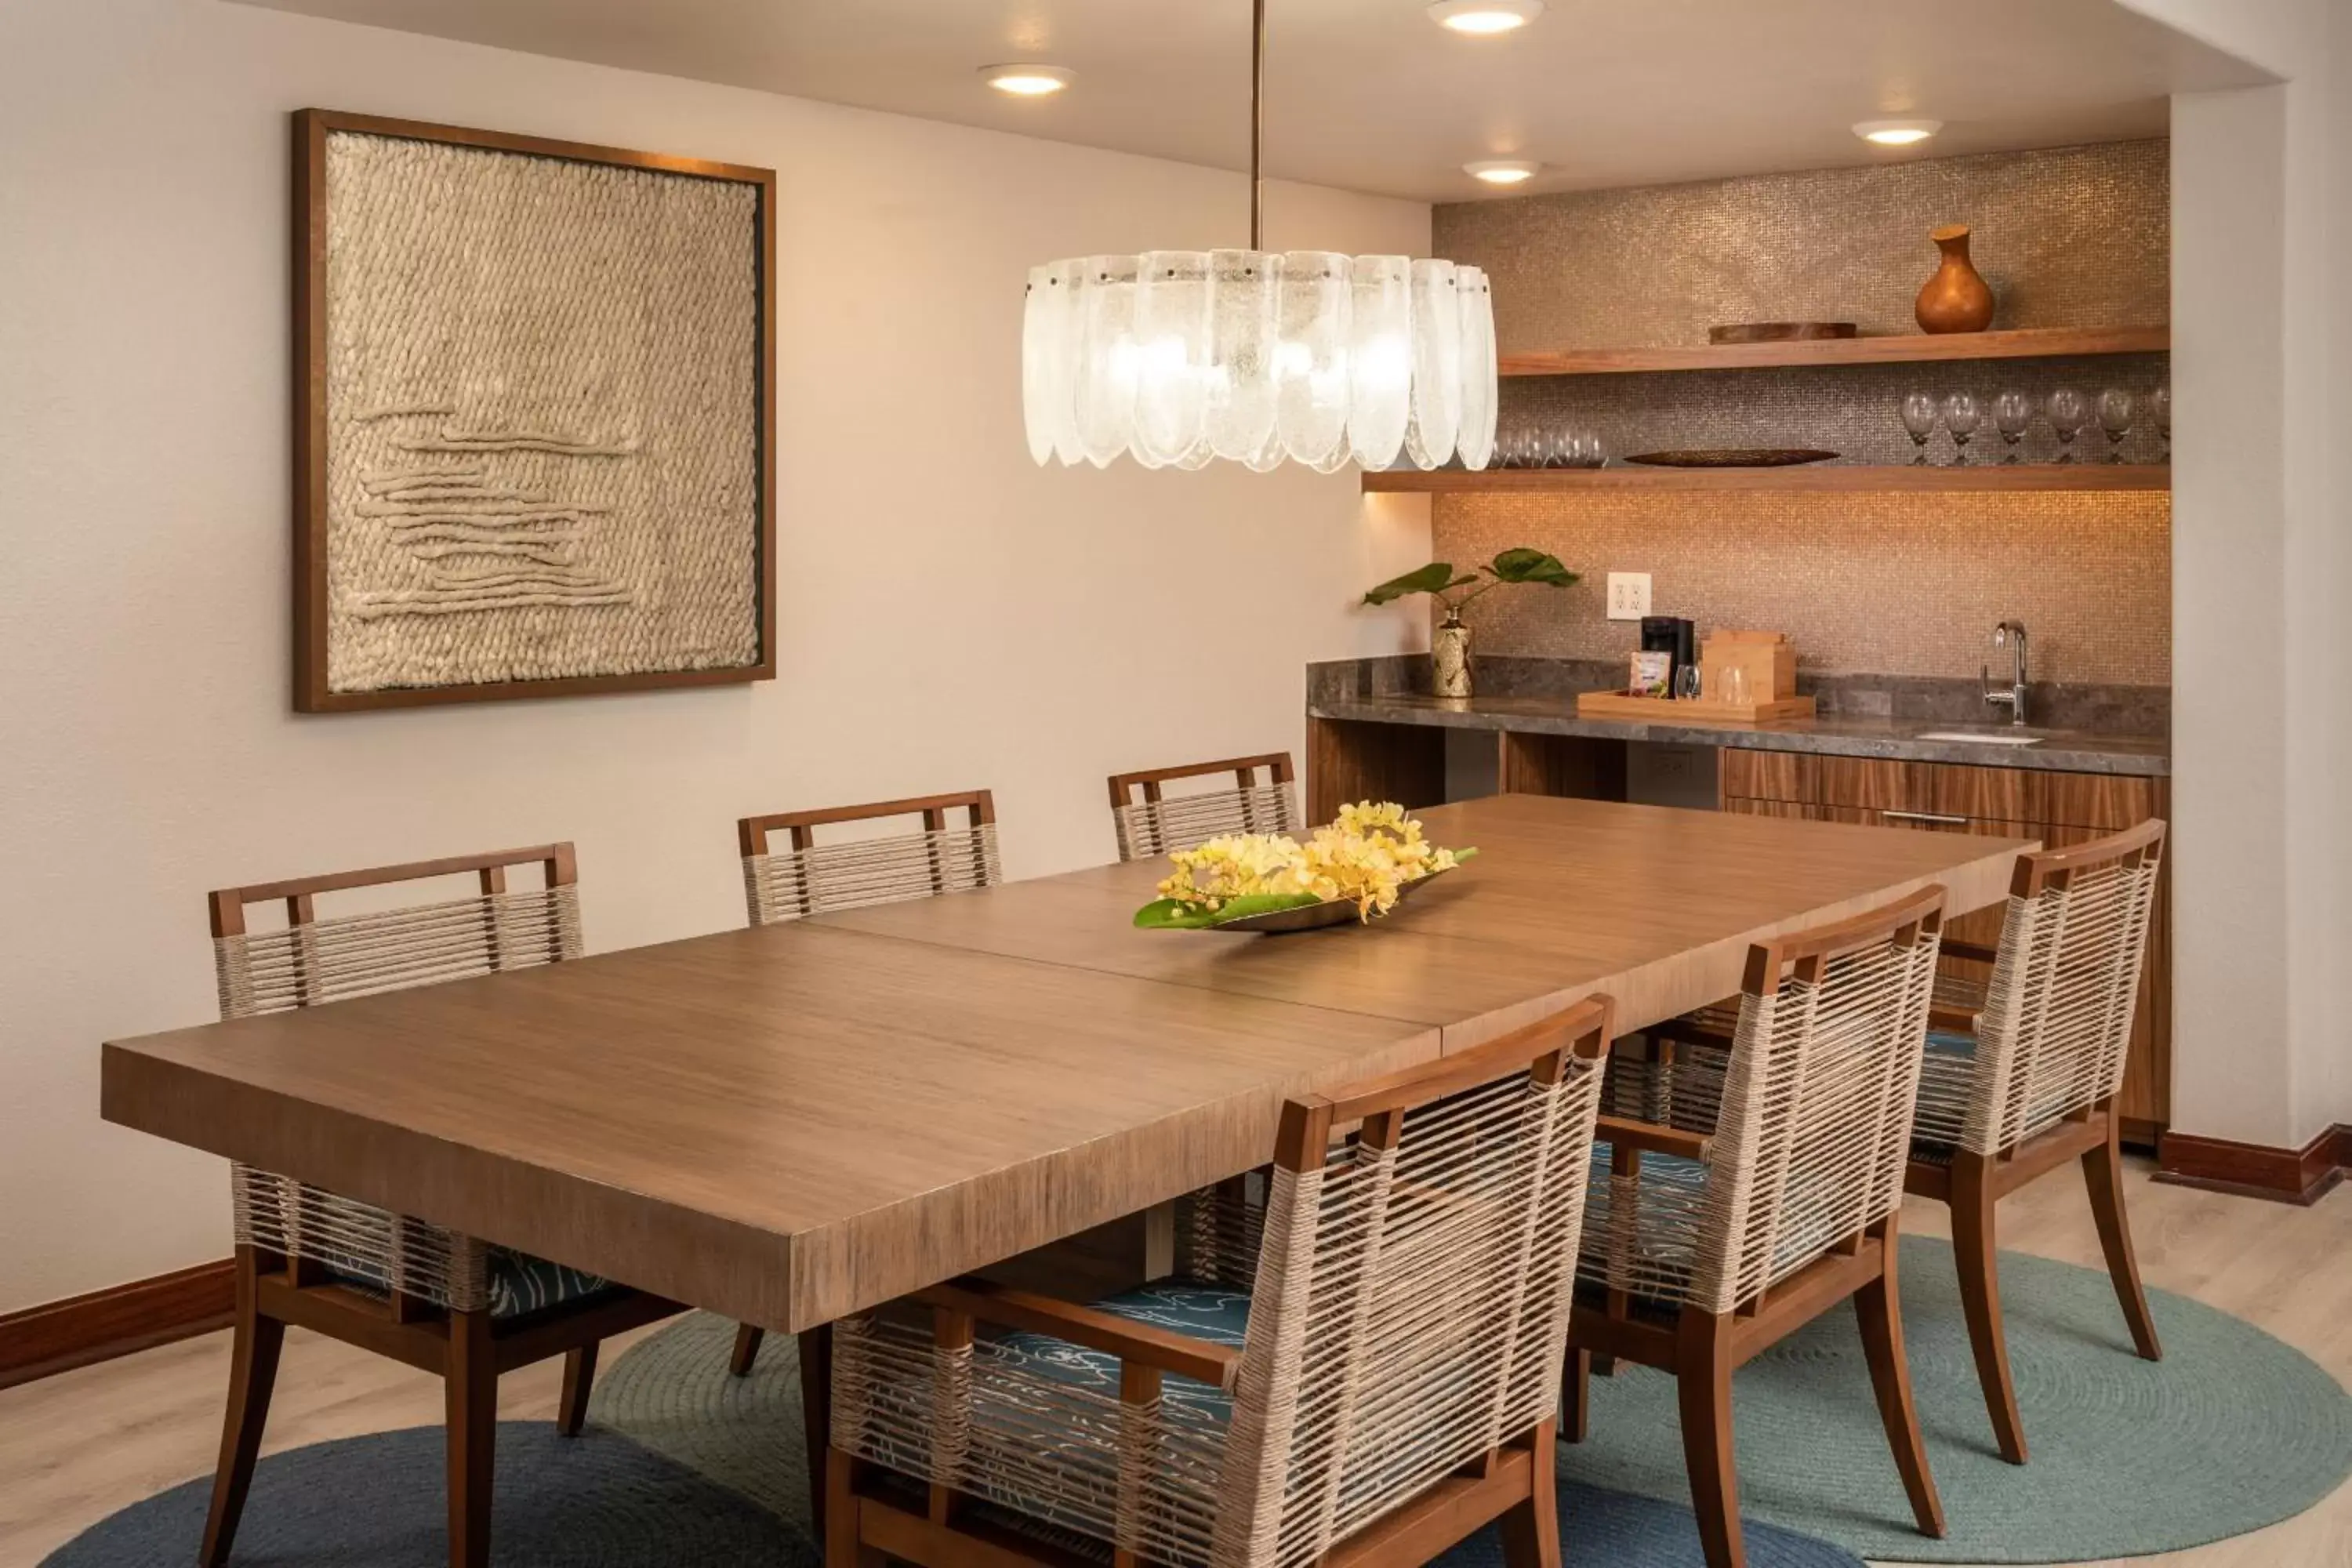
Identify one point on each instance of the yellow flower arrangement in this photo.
(1367, 856)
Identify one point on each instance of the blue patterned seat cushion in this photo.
(1217, 1313)
(519, 1283)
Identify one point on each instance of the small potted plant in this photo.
(1449, 649)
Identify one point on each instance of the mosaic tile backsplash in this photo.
(1884, 583)
(2073, 236)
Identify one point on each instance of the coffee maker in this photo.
(1674, 635)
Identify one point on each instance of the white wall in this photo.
(952, 617)
(2262, 576)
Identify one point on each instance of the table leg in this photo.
(816, 1412)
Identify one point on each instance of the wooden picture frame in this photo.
(316, 689)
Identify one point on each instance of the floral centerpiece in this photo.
(1360, 864)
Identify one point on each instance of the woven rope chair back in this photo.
(1151, 823)
(313, 961)
(1813, 1126)
(2057, 1018)
(1412, 1299)
(802, 876)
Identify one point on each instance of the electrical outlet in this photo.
(1629, 596)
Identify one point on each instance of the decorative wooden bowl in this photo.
(1778, 331)
(1733, 458)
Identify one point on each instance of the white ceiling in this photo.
(1370, 95)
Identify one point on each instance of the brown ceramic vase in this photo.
(1956, 298)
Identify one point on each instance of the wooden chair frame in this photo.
(753, 841)
(1702, 1349)
(1513, 1484)
(1130, 790)
(1972, 1184)
(468, 1350)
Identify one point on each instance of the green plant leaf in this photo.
(1166, 914)
(1526, 565)
(1435, 577)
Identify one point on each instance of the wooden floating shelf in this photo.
(1979, 477)
(2027, 343)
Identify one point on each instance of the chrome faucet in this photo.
(2011, 634)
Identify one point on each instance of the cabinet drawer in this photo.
(2098, 800)
(1769, 775)
(1876, 783)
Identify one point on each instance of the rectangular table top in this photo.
(790, 1124)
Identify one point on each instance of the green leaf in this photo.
(1166, 914)
(1435, 577)
(1525, 565)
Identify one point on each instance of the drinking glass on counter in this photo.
(2115, 419)
(2068, 414)
(2012, 415)
(1732, 681)
(1961, 418)
(1686, 683)
(1919, 419)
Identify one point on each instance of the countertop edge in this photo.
(2052, 757)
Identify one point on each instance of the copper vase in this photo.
(1956, 298)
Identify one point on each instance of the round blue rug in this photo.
(2233, 1430)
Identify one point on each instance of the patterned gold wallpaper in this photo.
(2073, 236)
(1885, 584)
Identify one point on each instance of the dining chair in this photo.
(806, 877)
(1384, 1387)
(1762, 1190)
(1151, 824)
(454, 1305)
(2021, 1077)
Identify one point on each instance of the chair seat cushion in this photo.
(1216, 1313)
(520, 1283)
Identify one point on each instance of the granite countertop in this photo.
(2060, 751)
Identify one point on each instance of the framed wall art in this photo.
(535, 436)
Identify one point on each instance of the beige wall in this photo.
(950, 614)
(2262, 540)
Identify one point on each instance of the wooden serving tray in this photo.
(1663, 710)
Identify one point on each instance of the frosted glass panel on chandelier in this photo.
(1103, 399)
(1310, 378)
(1379, 359)
(1479, 402)
(1180, 356)
(1237, 416)
(1436, 400)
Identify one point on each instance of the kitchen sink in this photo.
(2015, 737)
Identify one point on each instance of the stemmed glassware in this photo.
(2115, 419)
(2012, 415)
(1961, 418)
(1919, 419)
(2068, 414)
(2160, 408)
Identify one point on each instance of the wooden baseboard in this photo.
(2302, 1175)
(58, 1336)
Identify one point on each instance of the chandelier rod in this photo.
(1257, 124)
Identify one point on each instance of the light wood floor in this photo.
(75, 1447)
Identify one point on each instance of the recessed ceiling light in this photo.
(1502, 170)
(1484, 16)
(1897, 132)
(1026, 80)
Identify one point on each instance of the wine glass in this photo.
(1588, 449)
(2160, 408)
(1961, 418)
(2115, 419)
(2012, 413)
(1919, 419)
(2068, 414)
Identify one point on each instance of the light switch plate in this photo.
(1629, 596)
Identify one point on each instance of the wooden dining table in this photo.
(790, 1124)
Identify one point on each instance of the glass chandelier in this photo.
(1181, 356)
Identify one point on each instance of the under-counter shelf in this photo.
(1973, 476)
(2024, 342)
